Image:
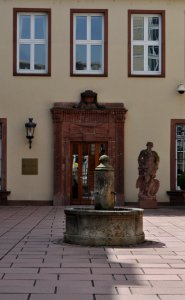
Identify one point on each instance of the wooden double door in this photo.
(84, 158)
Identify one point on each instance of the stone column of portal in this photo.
(104, 195)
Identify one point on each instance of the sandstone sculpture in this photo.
(148, 161)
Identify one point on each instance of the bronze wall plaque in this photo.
(29, 166)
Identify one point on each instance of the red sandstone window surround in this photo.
(89, 42)
(31, 42)
(146, 43)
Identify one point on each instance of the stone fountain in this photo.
(105, 225)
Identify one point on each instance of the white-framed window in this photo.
(180, 152)
(146, 44)
(88, 43)
(32, 43)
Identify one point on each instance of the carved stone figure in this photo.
(148, 161)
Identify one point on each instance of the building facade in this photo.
(96, 77)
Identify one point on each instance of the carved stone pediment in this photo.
(89, 101)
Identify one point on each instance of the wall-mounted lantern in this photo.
(30, 128)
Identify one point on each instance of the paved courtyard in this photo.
(34, 266)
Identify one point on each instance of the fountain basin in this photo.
(90, 227)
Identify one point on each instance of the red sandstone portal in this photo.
(87, 122)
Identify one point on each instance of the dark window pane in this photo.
(24, 56)
(96, 28)
(81, 28)
(81, 57)
(96, 57)
(40, 27)
(24, 27)
(153, 58)
(102, 149)
(180, 130)
(153, 29)
(40, 57)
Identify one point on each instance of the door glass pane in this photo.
(91, 165)
(138, 58)
(75, 184)
(40, 27)
(81, 57)
(96, 28)
(153, 58)
(81, 28)
(102, 149)
(40, 57)
(153, 28)
(138, 28)
(85, 173)
(24, 27)
(96, 57)
(24, 56)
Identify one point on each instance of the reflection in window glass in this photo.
(75, 171)
(153, 29)
(138, 28)
(85, 166)
(81, 27)
(88, 43)
(32, 42)
(40, 57)
(81, 57)
(40, 27)
(153, 58)
(180, 151)
(102, 149)
(24, 27)
(180, 130)
(96, 57)
(96, 28)
(138, 58)
(146, 44)
(24, 56)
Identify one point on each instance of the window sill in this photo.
(88, 75)
(32, 74)
(147, 75)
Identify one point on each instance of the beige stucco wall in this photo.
(151, 102)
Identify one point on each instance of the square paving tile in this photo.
(34, 266)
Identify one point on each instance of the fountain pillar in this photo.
(104, 195)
